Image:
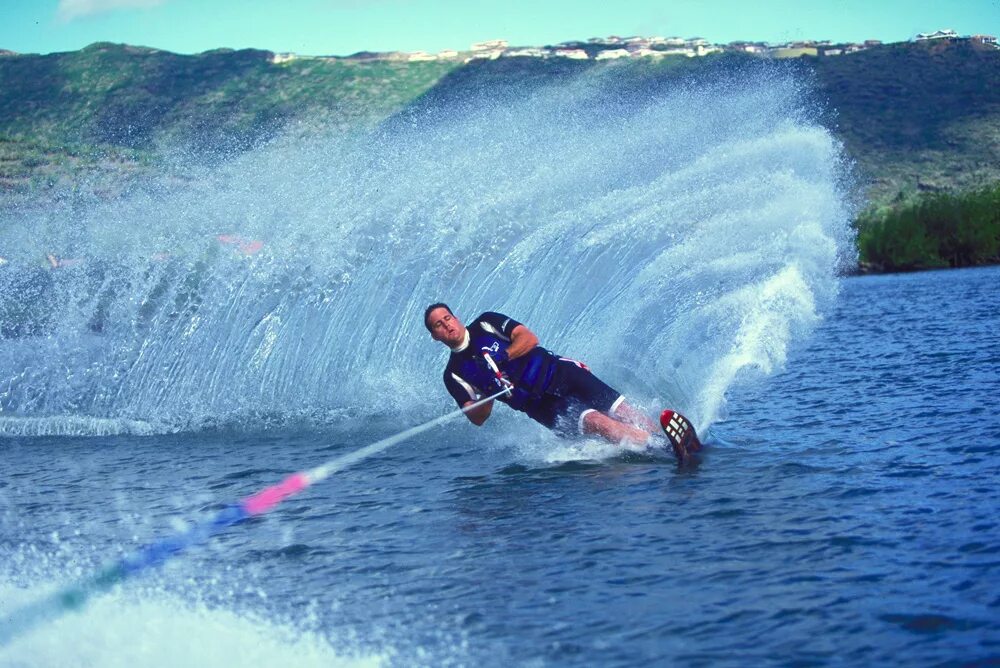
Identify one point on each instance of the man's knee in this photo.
(594, 421)
(589, 420)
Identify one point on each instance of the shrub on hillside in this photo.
(937, 230)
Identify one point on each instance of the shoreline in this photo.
(871, 271)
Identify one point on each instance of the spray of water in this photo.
(680, 241)
(163, 630)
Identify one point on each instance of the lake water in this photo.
(202, 337)
(845, 513)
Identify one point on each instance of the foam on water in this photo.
(586, 449)
(678, 241)
(118, 630)
(74, 425)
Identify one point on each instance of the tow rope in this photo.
(150, 556)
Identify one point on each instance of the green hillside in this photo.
(918, 118)
(107, 108)
(128, 96)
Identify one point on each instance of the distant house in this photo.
(679, 51)
(420, 56)
(277, 58)
(840, 49)
(491, 54)
(748, 47)
(610, 54)
(447, 54)
(793, 51)
(577, 54)
(647, 53)
(525, 53)
(984, 39)
(937, 34)
(873, 42)
(5, 52)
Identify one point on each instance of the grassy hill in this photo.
(915, 116)
(127, 96)
(919, 116)
(106, 109)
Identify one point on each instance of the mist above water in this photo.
(680, 241)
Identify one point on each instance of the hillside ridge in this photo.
(918, 116)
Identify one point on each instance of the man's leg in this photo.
(603, 410)
(635, 417)
(595, 422)
(606, 413)
(641, 420)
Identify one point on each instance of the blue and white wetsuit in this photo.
(554, 391)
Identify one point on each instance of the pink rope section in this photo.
(264, 500)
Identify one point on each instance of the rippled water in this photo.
(845, 514)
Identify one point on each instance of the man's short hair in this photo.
(427, 312)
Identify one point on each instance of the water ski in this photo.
(681, 434)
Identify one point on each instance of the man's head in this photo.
(443, 325)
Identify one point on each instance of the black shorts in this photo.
(573, 393)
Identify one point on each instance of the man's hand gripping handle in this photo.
(502, 381)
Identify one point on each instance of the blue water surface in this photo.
(845, 514)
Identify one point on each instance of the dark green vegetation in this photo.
(109, 108)
(934, 230)
(923, 122)
(921, 116)
(918, 118)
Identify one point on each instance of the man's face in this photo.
(445, 327)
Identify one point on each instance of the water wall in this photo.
(681, 240)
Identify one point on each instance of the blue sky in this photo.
(341, 27)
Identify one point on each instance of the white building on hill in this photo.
(937, 34)
(529, 52)
(577, 54)
(609, 54)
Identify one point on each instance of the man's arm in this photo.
(478, 415)
(522, 340)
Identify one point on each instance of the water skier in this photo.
(496, 352)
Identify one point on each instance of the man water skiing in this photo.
(495, 352)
